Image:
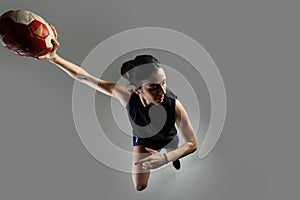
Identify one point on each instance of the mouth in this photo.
(160, 98)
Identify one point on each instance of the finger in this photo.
(55, 43)
(40, 57)
(54, 30)
(151, 150)
(147, 164)
(142, 161)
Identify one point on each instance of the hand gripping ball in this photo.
(26, 33)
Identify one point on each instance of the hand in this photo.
(151, 162)
(52, 54)
(54, 30)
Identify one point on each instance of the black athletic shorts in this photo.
(156, 144)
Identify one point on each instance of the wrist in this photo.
(55, 58)
(166, 158)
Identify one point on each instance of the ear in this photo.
(136, 90)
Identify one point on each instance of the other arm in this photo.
(183, 123)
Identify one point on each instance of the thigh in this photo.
(139, 175)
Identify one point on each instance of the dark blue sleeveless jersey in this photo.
(153, 126)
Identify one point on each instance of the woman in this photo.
(148, 90)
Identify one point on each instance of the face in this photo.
(153, 89)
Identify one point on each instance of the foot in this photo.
(176, 164)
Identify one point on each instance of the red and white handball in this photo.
(26, 33)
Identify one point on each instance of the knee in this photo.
(140, 187)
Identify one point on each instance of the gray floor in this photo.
(255, 45)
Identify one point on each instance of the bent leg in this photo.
(140, 176)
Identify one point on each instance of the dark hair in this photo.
(139, 68)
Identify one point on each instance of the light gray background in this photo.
(255, 44)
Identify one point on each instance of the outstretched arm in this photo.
(112, 89)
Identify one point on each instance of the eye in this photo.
(153, 87)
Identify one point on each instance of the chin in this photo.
(158, 101)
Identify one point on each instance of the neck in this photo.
(144, 101)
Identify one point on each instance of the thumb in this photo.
(54, 30)
(151, 150)
(55, 44)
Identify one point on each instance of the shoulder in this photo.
(132, 100)
(170, 94)
(178, 106)
(179, 110)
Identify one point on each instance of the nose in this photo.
(162, 90)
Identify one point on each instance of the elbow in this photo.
(81, 75)
(193, 146)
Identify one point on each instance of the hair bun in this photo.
(127, 66)
(144, 59)
(137, 75)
